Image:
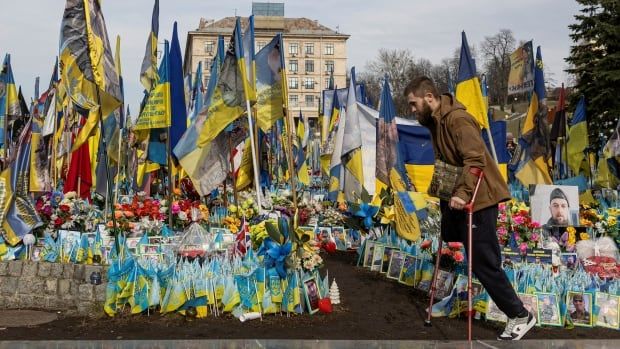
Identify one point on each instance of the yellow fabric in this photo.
(407, 225)
(156, 112)
(469, 93)
(577, 143)
(245, 173)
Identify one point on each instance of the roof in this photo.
(291, 26)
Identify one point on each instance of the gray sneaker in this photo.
(517, 328)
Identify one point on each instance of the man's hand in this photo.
(457, 203)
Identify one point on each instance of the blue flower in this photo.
(367, 212)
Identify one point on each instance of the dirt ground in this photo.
(373, 307)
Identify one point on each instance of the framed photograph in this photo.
(312, 294)
(154, 258)
(555, 205)
(444, 283)
(149, 249)
(396, 263)
(369, 250)
(37, 250)
(425, 275)
(325, 233)
(548, 309)
(569, 260)
(580, 306)
(156, 239)
(493, 313)
(68, 240)
(340, 238)
(607, 310)
(387, 256)
(530, 302)
(354, 238)
(102, 229)
(377, 257)
(408, 271)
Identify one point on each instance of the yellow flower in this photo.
(584, 236)
(611, 220)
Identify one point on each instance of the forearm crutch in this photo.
(469, 208)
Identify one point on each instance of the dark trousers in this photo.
(486, 263)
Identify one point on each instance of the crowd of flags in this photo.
(239, 126)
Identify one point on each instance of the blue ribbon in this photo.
(367, 212)
(274, 255)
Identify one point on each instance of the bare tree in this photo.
(399, 66)
(496, 51)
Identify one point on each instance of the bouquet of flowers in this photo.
(515, 226)
(450, 256)
(66, 211)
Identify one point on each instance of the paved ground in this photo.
(25, 318)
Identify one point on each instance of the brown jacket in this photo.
(456, 136)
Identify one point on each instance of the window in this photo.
(329, 49)
(329, 66)
(293, 100)
(293, 48)
(207, 64)
(293, 82)
(209, 47)
(309, 66)
(309, 101)
(309, 83)
(326, 83)
(260, 45)
(309, 48)
(292, 65)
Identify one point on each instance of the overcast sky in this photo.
(430, 29)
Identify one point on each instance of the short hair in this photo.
(421, 86)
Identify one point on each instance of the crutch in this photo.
(469, 209)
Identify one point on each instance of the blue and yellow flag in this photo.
(577, 137)
(156, 111)
(9, 101)
(18, 214)
(390, 169)
(351, 156)
(87, 64)
(249, 58)
(468, 90)
(535, 153)
(148, 72)
(230, 93)
(299, 149)
(269, 84)
(335, 166)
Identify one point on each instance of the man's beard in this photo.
(424, 116)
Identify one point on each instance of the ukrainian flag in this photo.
(18, 211)
(299, 149)
(533, 167)
(178, 110)
(331, 121)
(230, 93)
(351, 156)
(9, 101)
(249, 58)
(156, 111)
(148, 72)
(578, 137)
(270, 84)
(335, 167)
(87, 63)
(389, 163)
(468, 90)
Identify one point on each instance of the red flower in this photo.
(65, 208)
(426, 244)
(455, 245)
(447, 251)
(58, 221)
(458, 257)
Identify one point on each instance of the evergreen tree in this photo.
(595, 64)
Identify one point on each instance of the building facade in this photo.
(311, 52)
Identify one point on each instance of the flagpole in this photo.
(107, 170)
(254, 160)
(290, 123)
(232, 174)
